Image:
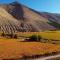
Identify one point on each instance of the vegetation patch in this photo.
(36, 38)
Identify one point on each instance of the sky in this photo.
(52, 6)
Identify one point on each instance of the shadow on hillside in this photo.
(55, 24)
(16, 10)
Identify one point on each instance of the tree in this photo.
(3, 34)
(39, 37)
(15, 36)
(35, 38)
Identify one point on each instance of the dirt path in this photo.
(48, 58)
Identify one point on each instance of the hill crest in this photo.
(15, 17)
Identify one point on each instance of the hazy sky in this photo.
(40, 5)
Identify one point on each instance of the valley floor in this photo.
(15, 49)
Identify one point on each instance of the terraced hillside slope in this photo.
(15, 17)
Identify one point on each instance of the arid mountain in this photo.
(15, 17)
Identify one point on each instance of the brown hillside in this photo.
(17, 17)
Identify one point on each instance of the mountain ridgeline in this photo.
(15, 17)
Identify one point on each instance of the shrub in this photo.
(10, 35)
(3, 34)
(35, 38)
(39, 37)
(15, 36)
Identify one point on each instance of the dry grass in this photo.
(54, 35)
(15, 49)
(12, 48)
